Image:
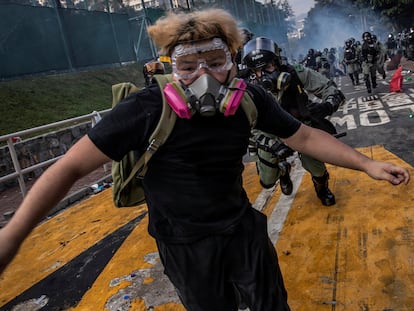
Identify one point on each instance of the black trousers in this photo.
(213, 273)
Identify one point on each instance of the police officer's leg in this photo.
(350, 72)
(356, 76)
(381, 70)
(373, 75)
(351, 76)
(271, 169)
(355, 69)
(366, 73)
(320, 178)
(267, 168)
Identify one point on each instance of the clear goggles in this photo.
(189, 59)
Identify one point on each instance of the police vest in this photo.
(349, 54)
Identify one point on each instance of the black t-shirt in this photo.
(193, 184)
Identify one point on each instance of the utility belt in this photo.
(268, 144)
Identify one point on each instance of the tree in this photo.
(285, 6)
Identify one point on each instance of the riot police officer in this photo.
(351, 62)
(290, 85)
(391, 45)
(382, 56)
(369, 54)
(323, 65)
(310, 60)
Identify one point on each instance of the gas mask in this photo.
(205, 96)
(275, 81)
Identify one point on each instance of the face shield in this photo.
(189, 59)
(259, 52)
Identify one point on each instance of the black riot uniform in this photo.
(369, 54)
(351, 62)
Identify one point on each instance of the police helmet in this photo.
(260, 52)
(366, 36)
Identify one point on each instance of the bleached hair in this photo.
(176, 28)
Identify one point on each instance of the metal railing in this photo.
(19, 173)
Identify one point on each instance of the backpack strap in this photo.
(249, 109)
(164, 127)
(160, 134)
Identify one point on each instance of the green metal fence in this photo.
(57, 35)
(44, 39)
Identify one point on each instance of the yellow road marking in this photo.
(58, 240)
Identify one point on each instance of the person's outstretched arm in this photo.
(52, 186)
(326, 148)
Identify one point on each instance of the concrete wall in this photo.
(39, 149)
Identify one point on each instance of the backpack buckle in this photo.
(153, 146)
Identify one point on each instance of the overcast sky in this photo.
(301, 6)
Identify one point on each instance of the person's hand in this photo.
(387, 171)
(320, 110)
(8, 249)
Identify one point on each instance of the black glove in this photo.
(320, 110)
(281, 151)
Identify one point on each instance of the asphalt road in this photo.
(380, 118)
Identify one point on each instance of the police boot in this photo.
(322, 191)
(286, 184)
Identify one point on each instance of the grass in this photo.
(33, 101)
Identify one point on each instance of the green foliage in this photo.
(285, 6)
(35, 101)
(399, 13)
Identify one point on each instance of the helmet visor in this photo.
(189, 59)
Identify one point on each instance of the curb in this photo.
(78, 196)
(69, 200)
